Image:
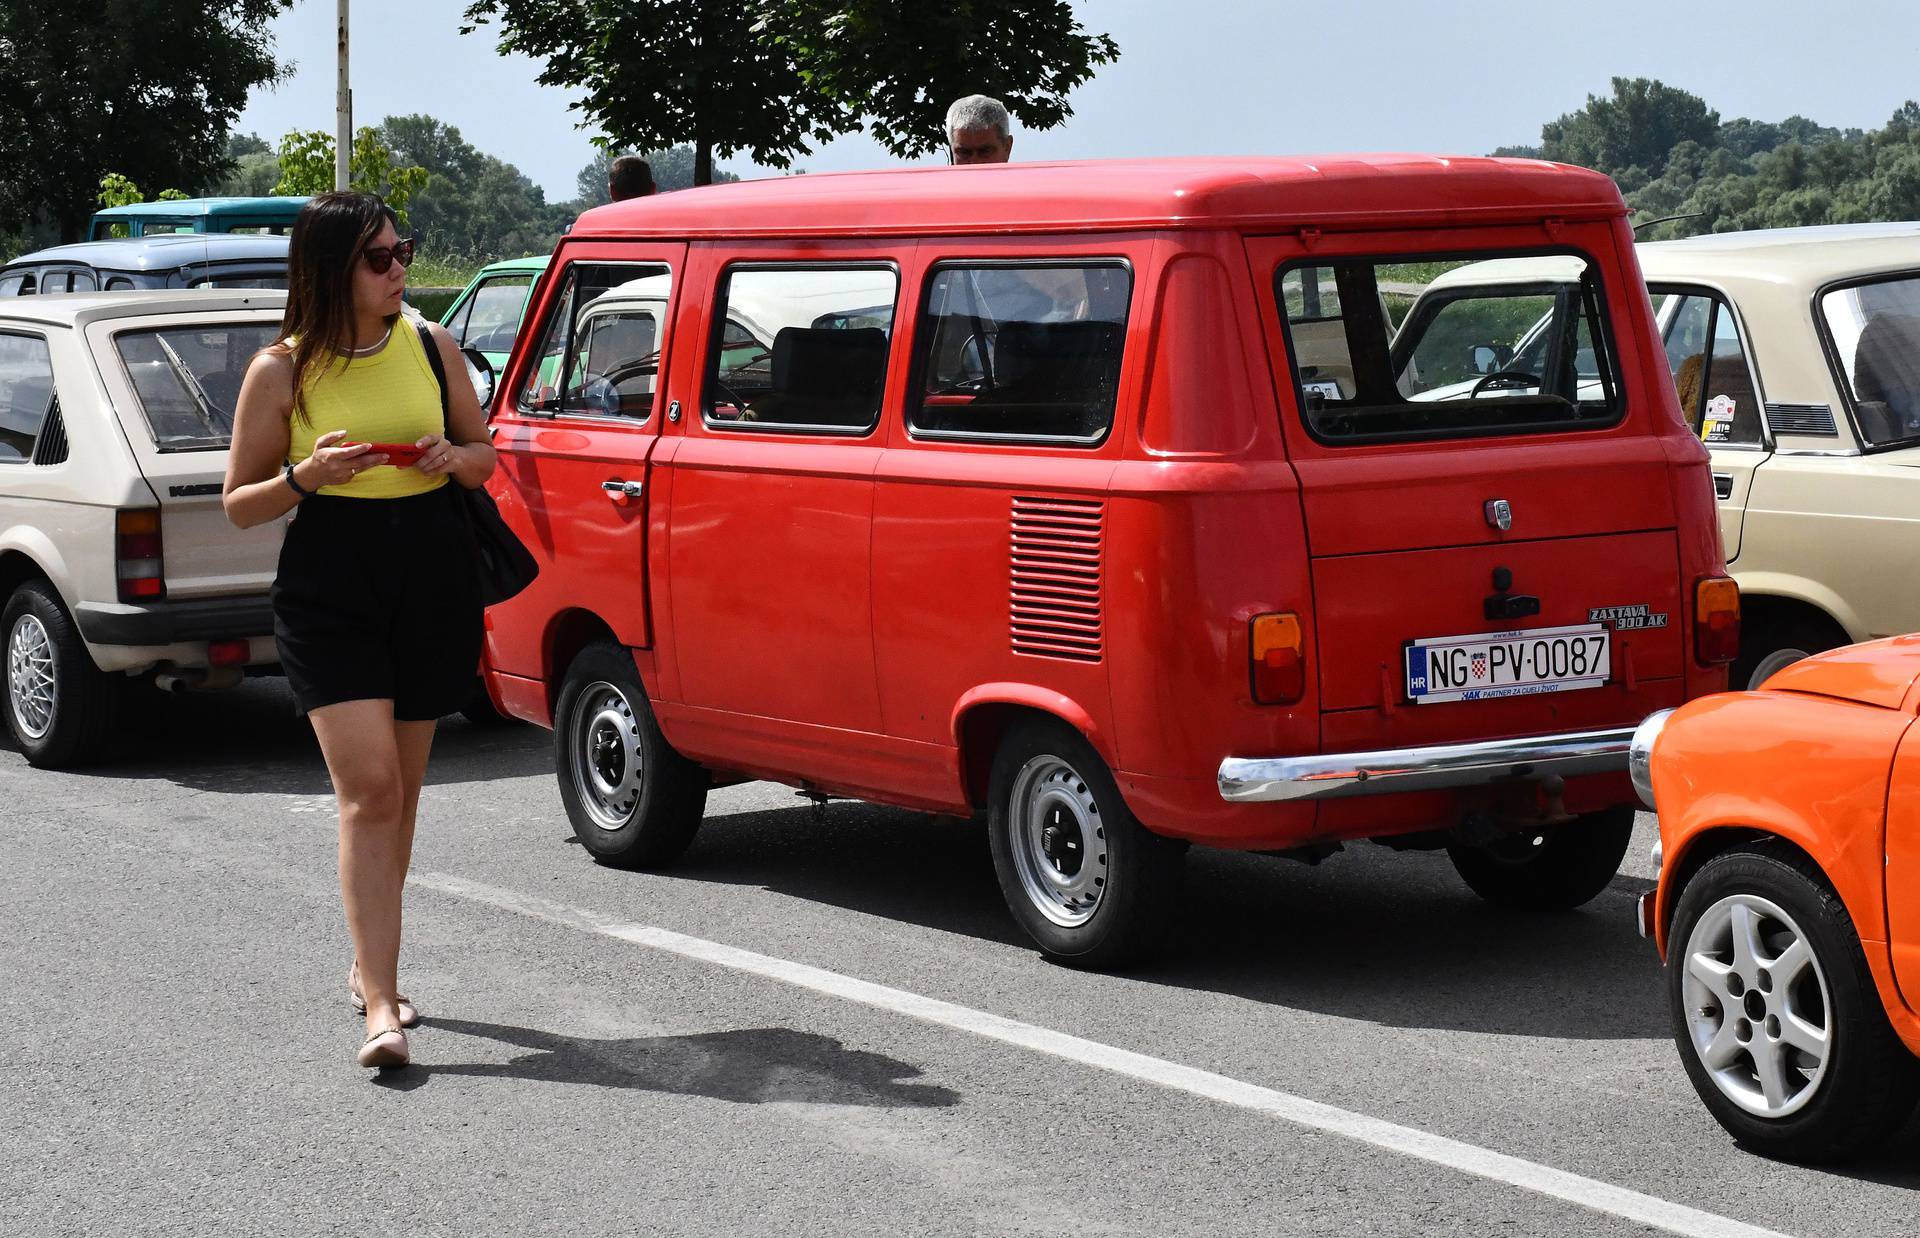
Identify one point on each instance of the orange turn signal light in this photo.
(1279, 659)
(1716, 621)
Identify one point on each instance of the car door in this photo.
(576, 424)
(1719, 393)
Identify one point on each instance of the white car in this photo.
(116, 558)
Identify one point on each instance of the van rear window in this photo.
(1025, 351)
(1387, 349)
(188, 379)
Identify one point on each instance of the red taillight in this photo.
(136, 555)
(1279, 659)
(228, 652)
(1716, 621)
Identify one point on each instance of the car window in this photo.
(83, 281)
(801, 348)
(1712, 375)
(14, 283)
(26, 394)
(1498, 354)
(187, 379)
(241, 281)
(606, 326)
(119, 283)
(491, 317)
(1875, 332)
(1024, 351)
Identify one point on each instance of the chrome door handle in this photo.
(624, 489)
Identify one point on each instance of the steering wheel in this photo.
(1504, 378)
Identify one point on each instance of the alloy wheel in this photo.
(31, 672)
(1758, 1012)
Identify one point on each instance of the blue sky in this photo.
(1210, 76)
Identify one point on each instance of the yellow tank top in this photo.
(390, 397)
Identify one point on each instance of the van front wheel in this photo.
(634, 801)
(1091, 885)
(1554, 869)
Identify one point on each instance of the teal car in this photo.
(486, 315)
(273, 216)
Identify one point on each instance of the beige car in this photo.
(1796, 356)
(116, 560)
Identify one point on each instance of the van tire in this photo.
(1091, 885)
(85, 701)
(634, 801)
(1555, 869)
(1869, 1081)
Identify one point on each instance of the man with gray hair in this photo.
(978, 131)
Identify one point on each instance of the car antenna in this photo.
(1667, 219)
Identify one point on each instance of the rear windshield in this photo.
(188, 379)
(1387, 349)
(1875, 329)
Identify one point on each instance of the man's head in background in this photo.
(629, 177)
(979, 131)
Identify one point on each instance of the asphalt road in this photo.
(177, 1044)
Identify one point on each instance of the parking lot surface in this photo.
(811, 1025)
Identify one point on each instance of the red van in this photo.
(1123, 502)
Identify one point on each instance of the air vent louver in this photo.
(1812, 419)
(1056, 556)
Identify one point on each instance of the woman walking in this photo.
(376, 602)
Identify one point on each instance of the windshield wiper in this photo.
(201, 403)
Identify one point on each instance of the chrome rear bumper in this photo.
(1337, 775)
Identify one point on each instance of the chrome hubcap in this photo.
(30, 676)
(1059, 841)
(1757, 1009)
(608, 769)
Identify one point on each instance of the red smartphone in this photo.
(400, 455)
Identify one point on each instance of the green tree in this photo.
(770, 77)
(901, 65)
(306, 167)
(80, 97)
(1636, 127)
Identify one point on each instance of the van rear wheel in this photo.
(60, 707)
(634, 802)
(1554, 869)
(1091, 885)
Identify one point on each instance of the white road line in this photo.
(1405, 1140)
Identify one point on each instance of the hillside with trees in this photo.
(1672, 155)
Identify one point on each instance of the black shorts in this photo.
(379, 599)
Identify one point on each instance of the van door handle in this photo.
(624, 491)
(1723, 485)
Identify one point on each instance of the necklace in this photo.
(372, 348)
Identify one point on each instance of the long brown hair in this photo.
(328, 235)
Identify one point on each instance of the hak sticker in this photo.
(1627, 618)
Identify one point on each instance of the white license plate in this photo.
(1495, 664)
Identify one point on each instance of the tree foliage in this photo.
(901, 65)
(82, 94)
(306, 167)
(1654, 140)
(769, 78)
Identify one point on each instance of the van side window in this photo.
(26, 394)
(600, 353)
(1021, 351)
(1387, 348)
(801, 348)
(1709, 366)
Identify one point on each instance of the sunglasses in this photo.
(380, 260)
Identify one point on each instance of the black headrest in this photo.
(1049, 353)
(828, 362)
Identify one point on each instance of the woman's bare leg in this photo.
(360, 742)
(415, 741)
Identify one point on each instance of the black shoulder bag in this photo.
(506, 566)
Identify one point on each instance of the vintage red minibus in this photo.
(1126, 504)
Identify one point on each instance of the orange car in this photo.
(1788, 905)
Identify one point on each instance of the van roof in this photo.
(1121, 195)
(160, 253)
(188, 208)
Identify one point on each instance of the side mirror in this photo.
(480, 372)
(1488, 358)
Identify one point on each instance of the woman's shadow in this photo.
(748, 1066)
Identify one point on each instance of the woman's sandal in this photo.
(409, 1016)
(385, 1048)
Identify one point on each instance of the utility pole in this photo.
(343, 105)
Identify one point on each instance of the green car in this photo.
(487, 313)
